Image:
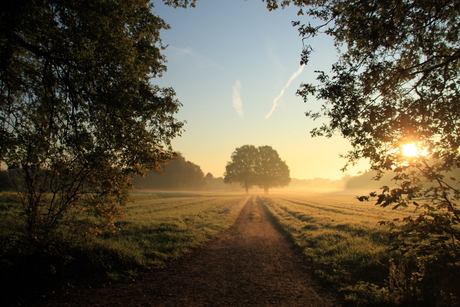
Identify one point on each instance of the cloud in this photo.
(236, 98)
(194, 59)
(275, 101)
(182, 51)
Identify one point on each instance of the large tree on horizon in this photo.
(272, 172)
(260, 166)
(79, 113)
(242, 168)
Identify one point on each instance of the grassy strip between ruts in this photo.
(342, 240)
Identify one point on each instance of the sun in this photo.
(412, 150)
(409, 150)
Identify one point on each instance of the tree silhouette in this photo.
(397, 81)
(79, 114)
(242, 168)
(260, 166)
(271, 170)
(179, 174)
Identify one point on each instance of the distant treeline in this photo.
(181, 174)
(366, 181)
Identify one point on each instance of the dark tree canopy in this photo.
(78, 111)
(242, 168)
(179, 174)
(397, 81)
(260, 166)
(272, 172)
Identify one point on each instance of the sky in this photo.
(235, 67)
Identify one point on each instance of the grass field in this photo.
(158, 228)
(342, 240)
(161, 227)
(340, 237)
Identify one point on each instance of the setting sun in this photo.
(412, 150)
(409, 150)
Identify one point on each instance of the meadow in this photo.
(157, 228)
(342, 240)
(162, 227)
(340, 237)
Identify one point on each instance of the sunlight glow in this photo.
(412, 150)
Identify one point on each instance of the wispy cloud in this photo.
(194, 59)
(277, 98)
(181, 51)
(236, 99)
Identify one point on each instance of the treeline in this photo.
(366, 182)
(181, 174)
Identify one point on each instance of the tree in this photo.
(78, 112)
(242, 168)
(397, 82)
(179, 174)
(271, 170)
(260, 166)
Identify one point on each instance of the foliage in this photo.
(397, 81)
(242, 168)
(260, 166)
(179, 174)
(5, 182)
(271, 170)
(78, 112)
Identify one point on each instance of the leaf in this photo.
(380, 199)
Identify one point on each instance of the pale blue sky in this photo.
(235, 68)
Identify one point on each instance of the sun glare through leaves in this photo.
(412, 150)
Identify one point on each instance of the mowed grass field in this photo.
(338, 235)
(341, 238)
(161, 227)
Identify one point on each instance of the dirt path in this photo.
(250, 264)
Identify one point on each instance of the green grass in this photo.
(341, 238)
(159, 228)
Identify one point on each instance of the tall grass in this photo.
(342, 239)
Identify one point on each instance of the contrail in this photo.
(275, 101)
(236, 98)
